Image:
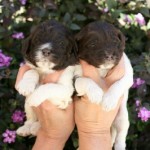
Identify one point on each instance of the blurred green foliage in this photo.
(15, 17)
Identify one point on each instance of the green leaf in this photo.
(80, 17)
(145, 11)
(67, 17)
(111, 4)
(74, 26)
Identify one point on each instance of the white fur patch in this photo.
(28, 83)
(86, 86)
(46, 45)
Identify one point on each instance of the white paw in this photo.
(25, 88)
(110, 101)
(95, 93)
(35, 128)
(37, 97)
(24, 130)
(80, 86)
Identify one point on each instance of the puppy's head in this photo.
(100, 44)
(52, 44)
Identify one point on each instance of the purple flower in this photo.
(9, 136)
(140, 19)
(105, 10)
(137, 82)
(144, 114)
(127, 19)
(23, 2)
(4, 60)
(137, 103)
(18, 116)
(18, 35)
(21, 64)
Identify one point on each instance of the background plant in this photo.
(18, 17)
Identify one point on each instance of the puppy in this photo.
(49, 48)
(102, 45)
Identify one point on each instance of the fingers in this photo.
(116, 73)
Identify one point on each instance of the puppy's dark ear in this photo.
(80, 35)
(72, 50)
(122, 40)
(26, 46)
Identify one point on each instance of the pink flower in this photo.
(9, 136)
(18, 116)
(140, 19)
(22, 63)
(105, 10)
(137, 103)
(138, 82)
(18, 35)
(4, 60)
(144, 114)
(23, 2)
(127, 19)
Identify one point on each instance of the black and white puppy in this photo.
(49, 48)
(102, 45)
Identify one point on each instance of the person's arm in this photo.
(93, 123)
(56, 124)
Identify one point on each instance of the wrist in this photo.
(43, 141)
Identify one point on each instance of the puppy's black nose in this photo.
(46, 52)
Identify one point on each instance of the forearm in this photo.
(44, 142)
(90, 142)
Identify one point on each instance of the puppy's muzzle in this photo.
(46, 52)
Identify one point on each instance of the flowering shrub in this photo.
(17, 18)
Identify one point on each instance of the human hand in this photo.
(92, 121)
(56, 124)
(114, 82)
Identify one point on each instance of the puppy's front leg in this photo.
(116, 90)
(86, 86)
(58, 93)
(28, 83)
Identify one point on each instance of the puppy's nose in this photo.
(46, 52)
(109, 57)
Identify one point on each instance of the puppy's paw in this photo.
(37, 97)
(35, 128)
(24, 130)
(110, 101)
(25, 88)
(80, 86)
(94, 93)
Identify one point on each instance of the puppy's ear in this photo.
(80, 35)
(122, 40)
(72, 50)
(26, 46)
